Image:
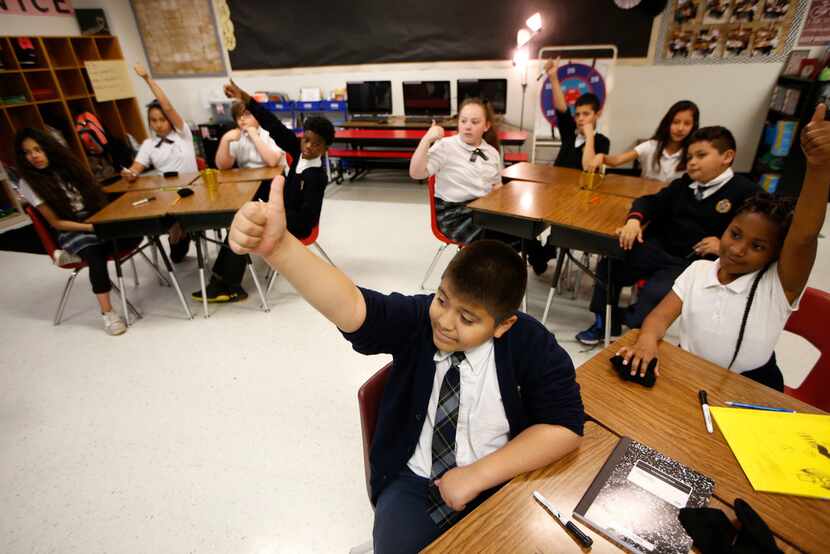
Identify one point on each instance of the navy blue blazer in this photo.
(536, 378)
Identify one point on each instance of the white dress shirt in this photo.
(457, 179)
(245, 153)
(667, 172)
(176, 155)
(482, 422)
(714, 185)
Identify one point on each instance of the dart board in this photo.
(576, 79)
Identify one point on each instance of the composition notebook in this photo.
(636, 497)
(780, 452)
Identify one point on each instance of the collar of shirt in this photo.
(469, 147)
(474, 357)
(579, 141)
(737, 286)
(714, 185)
(304, 164)
(675, 156)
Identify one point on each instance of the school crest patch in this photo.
(723, 206)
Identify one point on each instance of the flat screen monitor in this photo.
(494, 90)
(426, 98)
(369, 97)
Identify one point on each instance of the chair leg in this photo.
(557, 274)
(434, 262)
(65, 296)
(272, 278)
(172, 275)
(135, 271)
(323, 253)
(200, 257)
(162, 280)
(262, 297)
(129, 304)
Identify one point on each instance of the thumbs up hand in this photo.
(259, 227)
(815, 140)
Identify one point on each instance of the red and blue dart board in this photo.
(576, 79)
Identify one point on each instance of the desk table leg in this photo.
(608, 308)
(120, 279)
(557, 274)
(172, 275)
(200, 257)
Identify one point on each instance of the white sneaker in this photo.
(113, 324)
(62, 257)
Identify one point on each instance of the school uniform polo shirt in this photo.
(536, 378)
(667, 170)
(245, 153)
(712, 313)
(173, 152)
(573, 143)
(457, 178)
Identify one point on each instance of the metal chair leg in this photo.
(323, 253)
(432, 265)
(162, 280)
(129, 304)
(271, 278)
(65, 296)
(262, 297)
(135, 271)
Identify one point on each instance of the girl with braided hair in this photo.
(732, 310)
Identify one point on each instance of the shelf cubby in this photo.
(108, 48)
(42, 85)
(71, 83)
(60, 53)
(24, 116)
(30, 45)
(85, 49)
(13, 85)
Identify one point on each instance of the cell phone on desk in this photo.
(171, 174)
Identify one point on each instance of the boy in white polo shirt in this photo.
(733, 309)
(249, 145)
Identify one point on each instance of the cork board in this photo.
(179, 37)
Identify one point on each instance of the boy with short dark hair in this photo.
(684, 221)
(478, 392)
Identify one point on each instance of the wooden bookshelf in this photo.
(52, 88)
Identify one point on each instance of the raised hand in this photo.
(434, 133)
(141, 71)
(551, 66)
(233, 91)
(815, 139)
(259, 227)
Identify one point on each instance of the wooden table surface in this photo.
(512, 521)
(668, 418)
(588, 211)
(251, 174)
(522, 199)
(121, 209)
(228, 197)
(612, 183)
(151, 182)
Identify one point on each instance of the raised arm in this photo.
(164, 102)
(224, 158)
(589, 153)
(284, 137)
(260, 228)
(420, 158)
(615, 160)
(269, 152)
(559, 103)
(799, 250)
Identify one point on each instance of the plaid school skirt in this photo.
(455, 220)
(73, 242)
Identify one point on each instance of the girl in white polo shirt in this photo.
(733, 310)
(466, 166)
(169, 148)
(663, 157)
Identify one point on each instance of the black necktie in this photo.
(477, 152)
(163, 140)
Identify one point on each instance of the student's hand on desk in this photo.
(597, 162)
(629, 233)
(259, 227)
(141, 71)
(458, 486)
(128, 175)
(815, 139)
(434, 133)
(640, 355)
(710, 246)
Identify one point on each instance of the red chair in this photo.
(50, 244)
(201, 163)
(368, 399)
(810, 322)
(433, 219)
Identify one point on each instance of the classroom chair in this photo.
(810, 322)
(433, 220)
(310, 240)
(50, 245)
(368, 399)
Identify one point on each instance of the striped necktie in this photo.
(443, 441)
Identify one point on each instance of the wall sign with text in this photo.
(36, 7)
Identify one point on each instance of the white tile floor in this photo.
(235, 434)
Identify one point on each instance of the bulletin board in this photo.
(729, 31)
(180, 38)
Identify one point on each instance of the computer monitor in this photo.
(426, 98)
(494, 90)
(369, 97)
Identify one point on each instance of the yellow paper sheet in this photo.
(780, 452)
(110, 79)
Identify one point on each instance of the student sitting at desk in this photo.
(170, 148)
(733, 309)
(57, 184)
(478, 392)
(681, 222)
(580, 144)
(664, 156)
(305, 185)
(247, 146)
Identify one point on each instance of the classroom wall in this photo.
(733, 95)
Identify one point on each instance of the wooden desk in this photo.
(252, 174)
(151, 182)
(517, 208)
(511, 521)
(621, 185)
(668, 418)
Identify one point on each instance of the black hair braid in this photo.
(778, 209)
(746, 313)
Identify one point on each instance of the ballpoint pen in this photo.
(578, 533)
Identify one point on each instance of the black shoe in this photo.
(178, 250)
(219, 293)
(596, 332)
